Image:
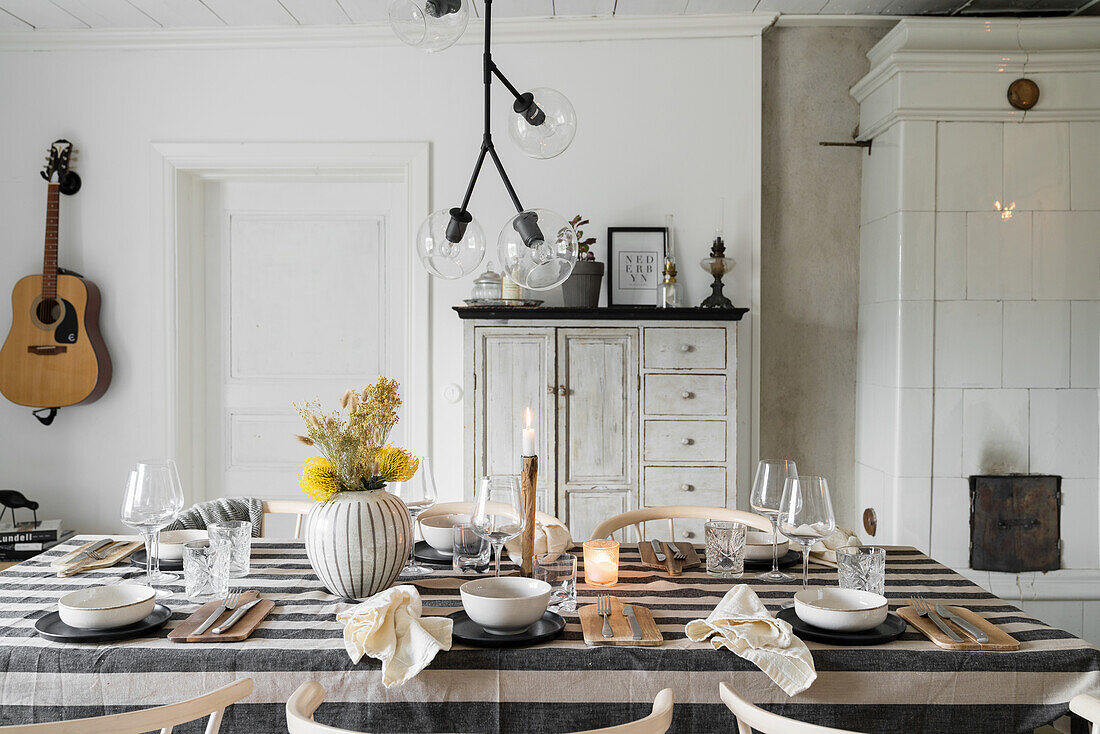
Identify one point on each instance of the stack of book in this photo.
(26, 539)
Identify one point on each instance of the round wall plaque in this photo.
(1023, 94)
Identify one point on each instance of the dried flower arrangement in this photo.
(354, 453)
(583, 244)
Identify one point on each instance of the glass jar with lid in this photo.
(486, 286)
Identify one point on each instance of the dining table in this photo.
(908, 685)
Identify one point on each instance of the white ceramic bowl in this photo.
(758, 545)
(843, 610)
(171, 543)
(438, 531)
(103, 607)
(505, 605)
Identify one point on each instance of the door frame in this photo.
(179, 171)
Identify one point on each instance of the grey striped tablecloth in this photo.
(906, 686)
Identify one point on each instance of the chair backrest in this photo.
(658, 721)
(300, 508)
(635, 519)
(304, 702)
(1087, 707)
(465, 508)
(162, 717)
(750, 718)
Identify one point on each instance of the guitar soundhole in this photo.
(48, 311)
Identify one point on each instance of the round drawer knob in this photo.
(687, 441)
(685, 347)
(687, 488)
(689, 533)
(550, 389)
(685, 395)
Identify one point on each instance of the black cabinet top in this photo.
(617, 313)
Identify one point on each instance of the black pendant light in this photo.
(537, 248)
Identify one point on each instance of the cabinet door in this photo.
(513, 370)
(597, 417)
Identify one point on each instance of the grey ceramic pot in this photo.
(582, 288)
(358, 542)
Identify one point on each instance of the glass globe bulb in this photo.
(537, 249)
(543, 125)
(443, 258)
(431, 25)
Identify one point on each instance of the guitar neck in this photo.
(49, 262)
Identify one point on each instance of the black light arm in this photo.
(524, 105)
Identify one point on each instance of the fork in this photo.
(90, 557)
(603, 608)
(677, 554)
(924, 609)
(230, 603)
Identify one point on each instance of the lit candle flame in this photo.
(527, 415)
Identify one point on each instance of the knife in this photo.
(85, 559)
(87, 552)
(657, 551)
(236, 616)
(628, 612)
(966, 626)
(210, 620)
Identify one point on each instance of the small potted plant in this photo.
(582, 288)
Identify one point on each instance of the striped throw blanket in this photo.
(223, 509)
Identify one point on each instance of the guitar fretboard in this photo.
(49, 263)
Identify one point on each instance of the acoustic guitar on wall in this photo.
(54, 355)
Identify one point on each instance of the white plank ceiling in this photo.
(69, 14)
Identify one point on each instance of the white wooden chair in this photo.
(162, 717)
(1088, 708)
(636, 518)
(465, 508)
(752, 718)
(309, 696)
(300, 508)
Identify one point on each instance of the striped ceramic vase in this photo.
(358, 542)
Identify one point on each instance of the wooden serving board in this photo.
(244, 627)
(998, 638)
(115, 553)
(592, 626)
(674, 567)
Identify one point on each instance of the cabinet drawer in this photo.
(689, 530)
(685, 394)
(686, 349)
(685, 441)
(685, 485)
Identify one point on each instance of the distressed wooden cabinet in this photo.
(632, 409)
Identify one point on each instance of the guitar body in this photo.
(64, 362)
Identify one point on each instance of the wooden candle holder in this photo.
(529, 474)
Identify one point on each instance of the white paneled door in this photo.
(303, 300)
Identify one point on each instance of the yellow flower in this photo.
(318, 478)
(395, 464)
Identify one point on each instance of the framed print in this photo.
(635, 257)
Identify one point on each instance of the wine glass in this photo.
(767, 492)
(498, 514)
(418, 494)
(154, 497)
(806, 515)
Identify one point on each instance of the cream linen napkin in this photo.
(550, 538)
(825, 549)
(741, 623)
(388, 627)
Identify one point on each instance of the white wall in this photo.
(658, 133)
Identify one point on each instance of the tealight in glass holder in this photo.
(601, 562)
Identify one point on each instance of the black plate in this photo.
(137, 558)
(888, 631)
(469, 632)
(427, 554)
(788, 559)
(52, 628)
